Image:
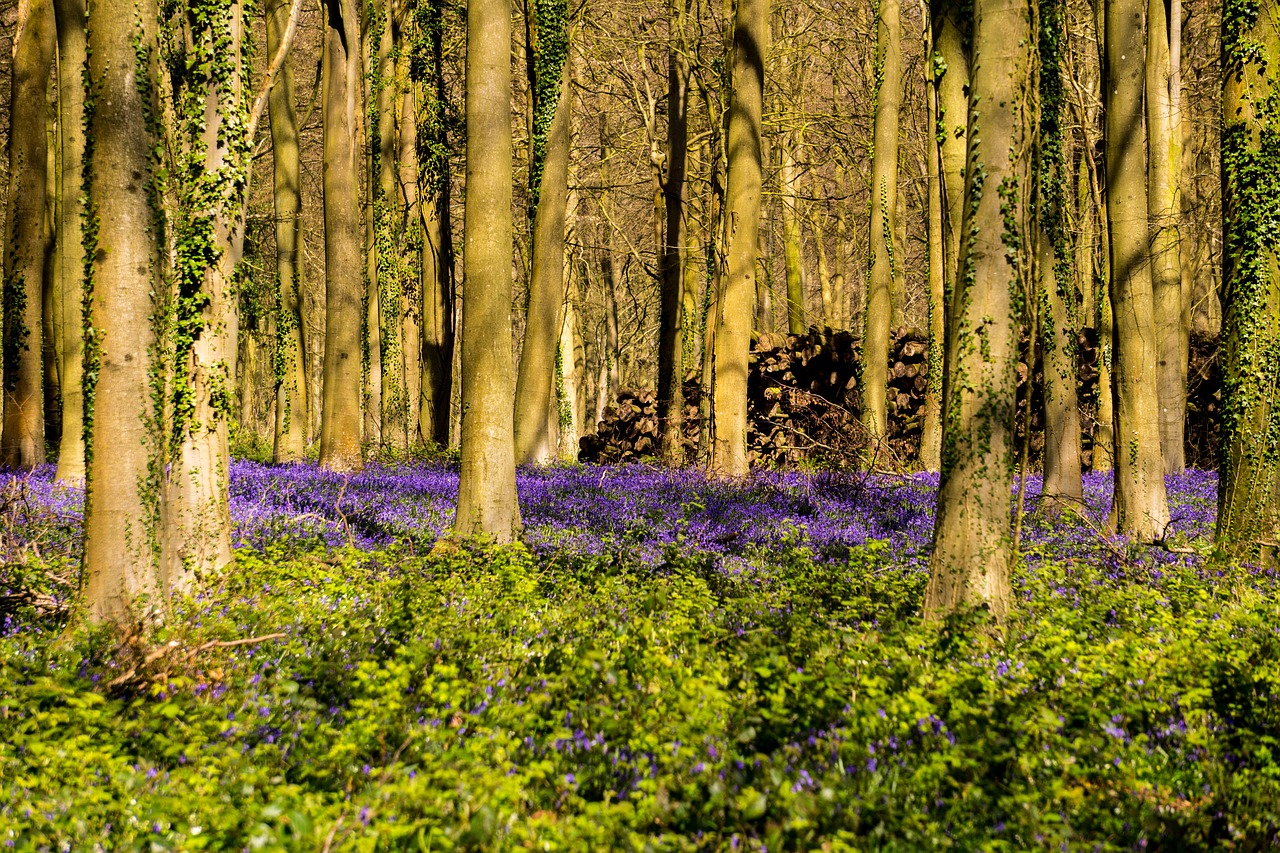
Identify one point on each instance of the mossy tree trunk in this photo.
(71, 17)
(970, 563)
(670, 397)
(884, 214)
(549, 182)
(123, 241)
(22, 446)
(340, 396)
(290, 356)
(1140, 508)
(735, 303)
(487, 482)
(1249, 496)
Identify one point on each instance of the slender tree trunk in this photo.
(1166, 274)
(797, 313)
(671, 322)
(410, 231)
(1249, 497)
(969, 566)
(884, 207)
(292, 420)
(23, 439)
(931, 432)
(1059, 321)
(535, 441)
(1140, 507)
(370, 307)
(71, 16)
(733, 331)
(340, 410)
(487, 482)
(952, 68)
(122, 501)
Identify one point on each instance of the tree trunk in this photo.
(797, 315)
(122, 497)
(931, 431)
(535, 441)
(1249, 496)
(371, 302)
(670, 397)
(70, 16)
(884, 213)
(733, 331)
(1140, 508)
(23, 439)
(1166, 273)
(952, 68)
(292, 420)
(969, 566)
(409, 229)
(340, 410)
(487, 481)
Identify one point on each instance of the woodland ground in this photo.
(667, 663)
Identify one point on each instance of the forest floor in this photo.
(665, 663)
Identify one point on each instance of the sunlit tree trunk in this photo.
(535, 382)
(366, 133)
(340, 402)
(1164, 146)
(290, 355)
(733, 330)
(671, 322)
(1249, 496)
(487, 482)
(969, 566)
(70, 16)
(1140, 508)
(884, 214)
(931, 431)
(122, 500)
(797, 311)
(22, 446)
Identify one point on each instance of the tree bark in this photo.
(733, 330)
(122, 497)
(291, 420)
(22, 446)
(1140, 508)
(71, 17)
(340, 411)
(969, 566)
(884, 214)
(931, 431)
(797, 311)
(487, 481)
(1249, 496)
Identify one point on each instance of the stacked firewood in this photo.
(630, 429)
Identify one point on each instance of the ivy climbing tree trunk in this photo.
(123, 242)
(290, 356)
(951, 65)
(969, 566)
(931, 430)
(340, 402)
(1140, 508)
(1249, 496)
(1163, 198)
(670, 402)
(1059, 325)
(487, 480)
(22, 445)
(71, 18)
(549, 176)
(884, 214)
(735, 302)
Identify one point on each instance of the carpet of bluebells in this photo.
(664, 663)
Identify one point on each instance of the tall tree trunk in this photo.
(371, 303)
(535, 383)
(884, 213)
(1140, 508)
(70, 15)
(22, 446)
(487, 482)
(122, 497)
(1249, 497)
(952, 67)
(1166, 273)
(1059, 320)
(797, 313)
(733, 330)
(340, 410)
(969, 566)
(410, 231)
(671, 322)
(931, 431)
(292, 420)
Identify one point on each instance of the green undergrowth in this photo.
(484, 699)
